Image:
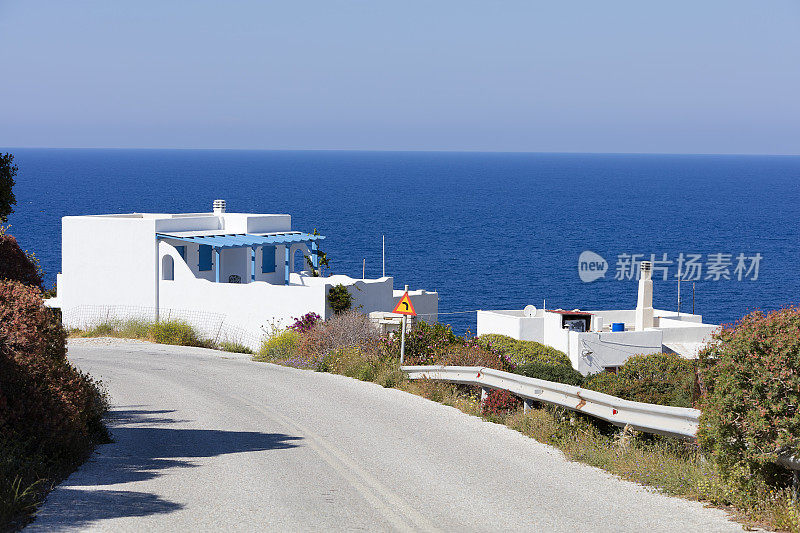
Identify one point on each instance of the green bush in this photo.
(523, 352)
(278, 347)
(340, 299)
(550, 372)
(659, 378)
(425, 344)
(751, 373)
(176, 332)
(235, 347)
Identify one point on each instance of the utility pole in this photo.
(403, 337)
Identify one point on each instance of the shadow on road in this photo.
(77, 508)
(141, 452)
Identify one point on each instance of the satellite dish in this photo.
(530, 310)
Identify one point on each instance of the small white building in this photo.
(231, 275)
(603, 340)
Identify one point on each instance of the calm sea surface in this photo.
(486, 230)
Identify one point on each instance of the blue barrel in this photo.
(618, 326)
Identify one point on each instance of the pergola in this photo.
(219, 242)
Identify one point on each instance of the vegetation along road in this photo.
(207, 440)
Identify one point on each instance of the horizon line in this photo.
(391, 150)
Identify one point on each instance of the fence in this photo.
(664, 420)
(213, 326)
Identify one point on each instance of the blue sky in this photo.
(568, 76)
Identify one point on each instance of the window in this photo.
(167, 268)
(267, 259)
(205, 257)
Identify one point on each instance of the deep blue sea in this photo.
(485, 230)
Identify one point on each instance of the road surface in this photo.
(206, 440)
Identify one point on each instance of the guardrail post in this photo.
(527, 404)
(484, 394)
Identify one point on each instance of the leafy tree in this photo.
(323, 260)
(7, 172)
(340, 298)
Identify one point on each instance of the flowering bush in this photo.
(425, 344)
(50, 413)
(16, 264)
(499, 402)
(471, 354)
(751, 372)
(177, 332)
(523, 352)
(305, 322)
(279, 348)
(660, 378)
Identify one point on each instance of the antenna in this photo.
(364, 269)
(383, 254)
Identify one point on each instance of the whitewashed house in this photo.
(229, 274)
(604, 340)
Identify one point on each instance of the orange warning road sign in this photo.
(404, 306)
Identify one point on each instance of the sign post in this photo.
(406, 308)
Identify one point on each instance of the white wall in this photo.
(425, 303)
(611, 349)
(512, 323)
(107, 261)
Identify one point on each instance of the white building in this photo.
(229, 274)
(604, 340)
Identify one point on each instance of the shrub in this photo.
(8, 170)
(50, 413)
(425, 344)
(659, 378)
(280, 347)
(470, 354)
(177, 332)
(235, 347)
(499, 402)
(340, 299)
(750, 413)
(16, 264)
(305, 322)
(349, 329)
(523, 352)
(549, 372)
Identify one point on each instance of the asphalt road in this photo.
(206, 440)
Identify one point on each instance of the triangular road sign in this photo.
(404, 306)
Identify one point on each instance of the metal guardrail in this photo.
(664, 420)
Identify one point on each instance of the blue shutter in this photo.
(205, 257)
(182, 251)
(267, 259)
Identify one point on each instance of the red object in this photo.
(613, 411)
(404, 306)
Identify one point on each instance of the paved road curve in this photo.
(212, 441)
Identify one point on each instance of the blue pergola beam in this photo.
(217, 256)
(286, 249)
(252, 264)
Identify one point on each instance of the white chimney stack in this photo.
(644, 304)
(219, 207)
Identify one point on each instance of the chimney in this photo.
(219, 207)
(644, 304)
